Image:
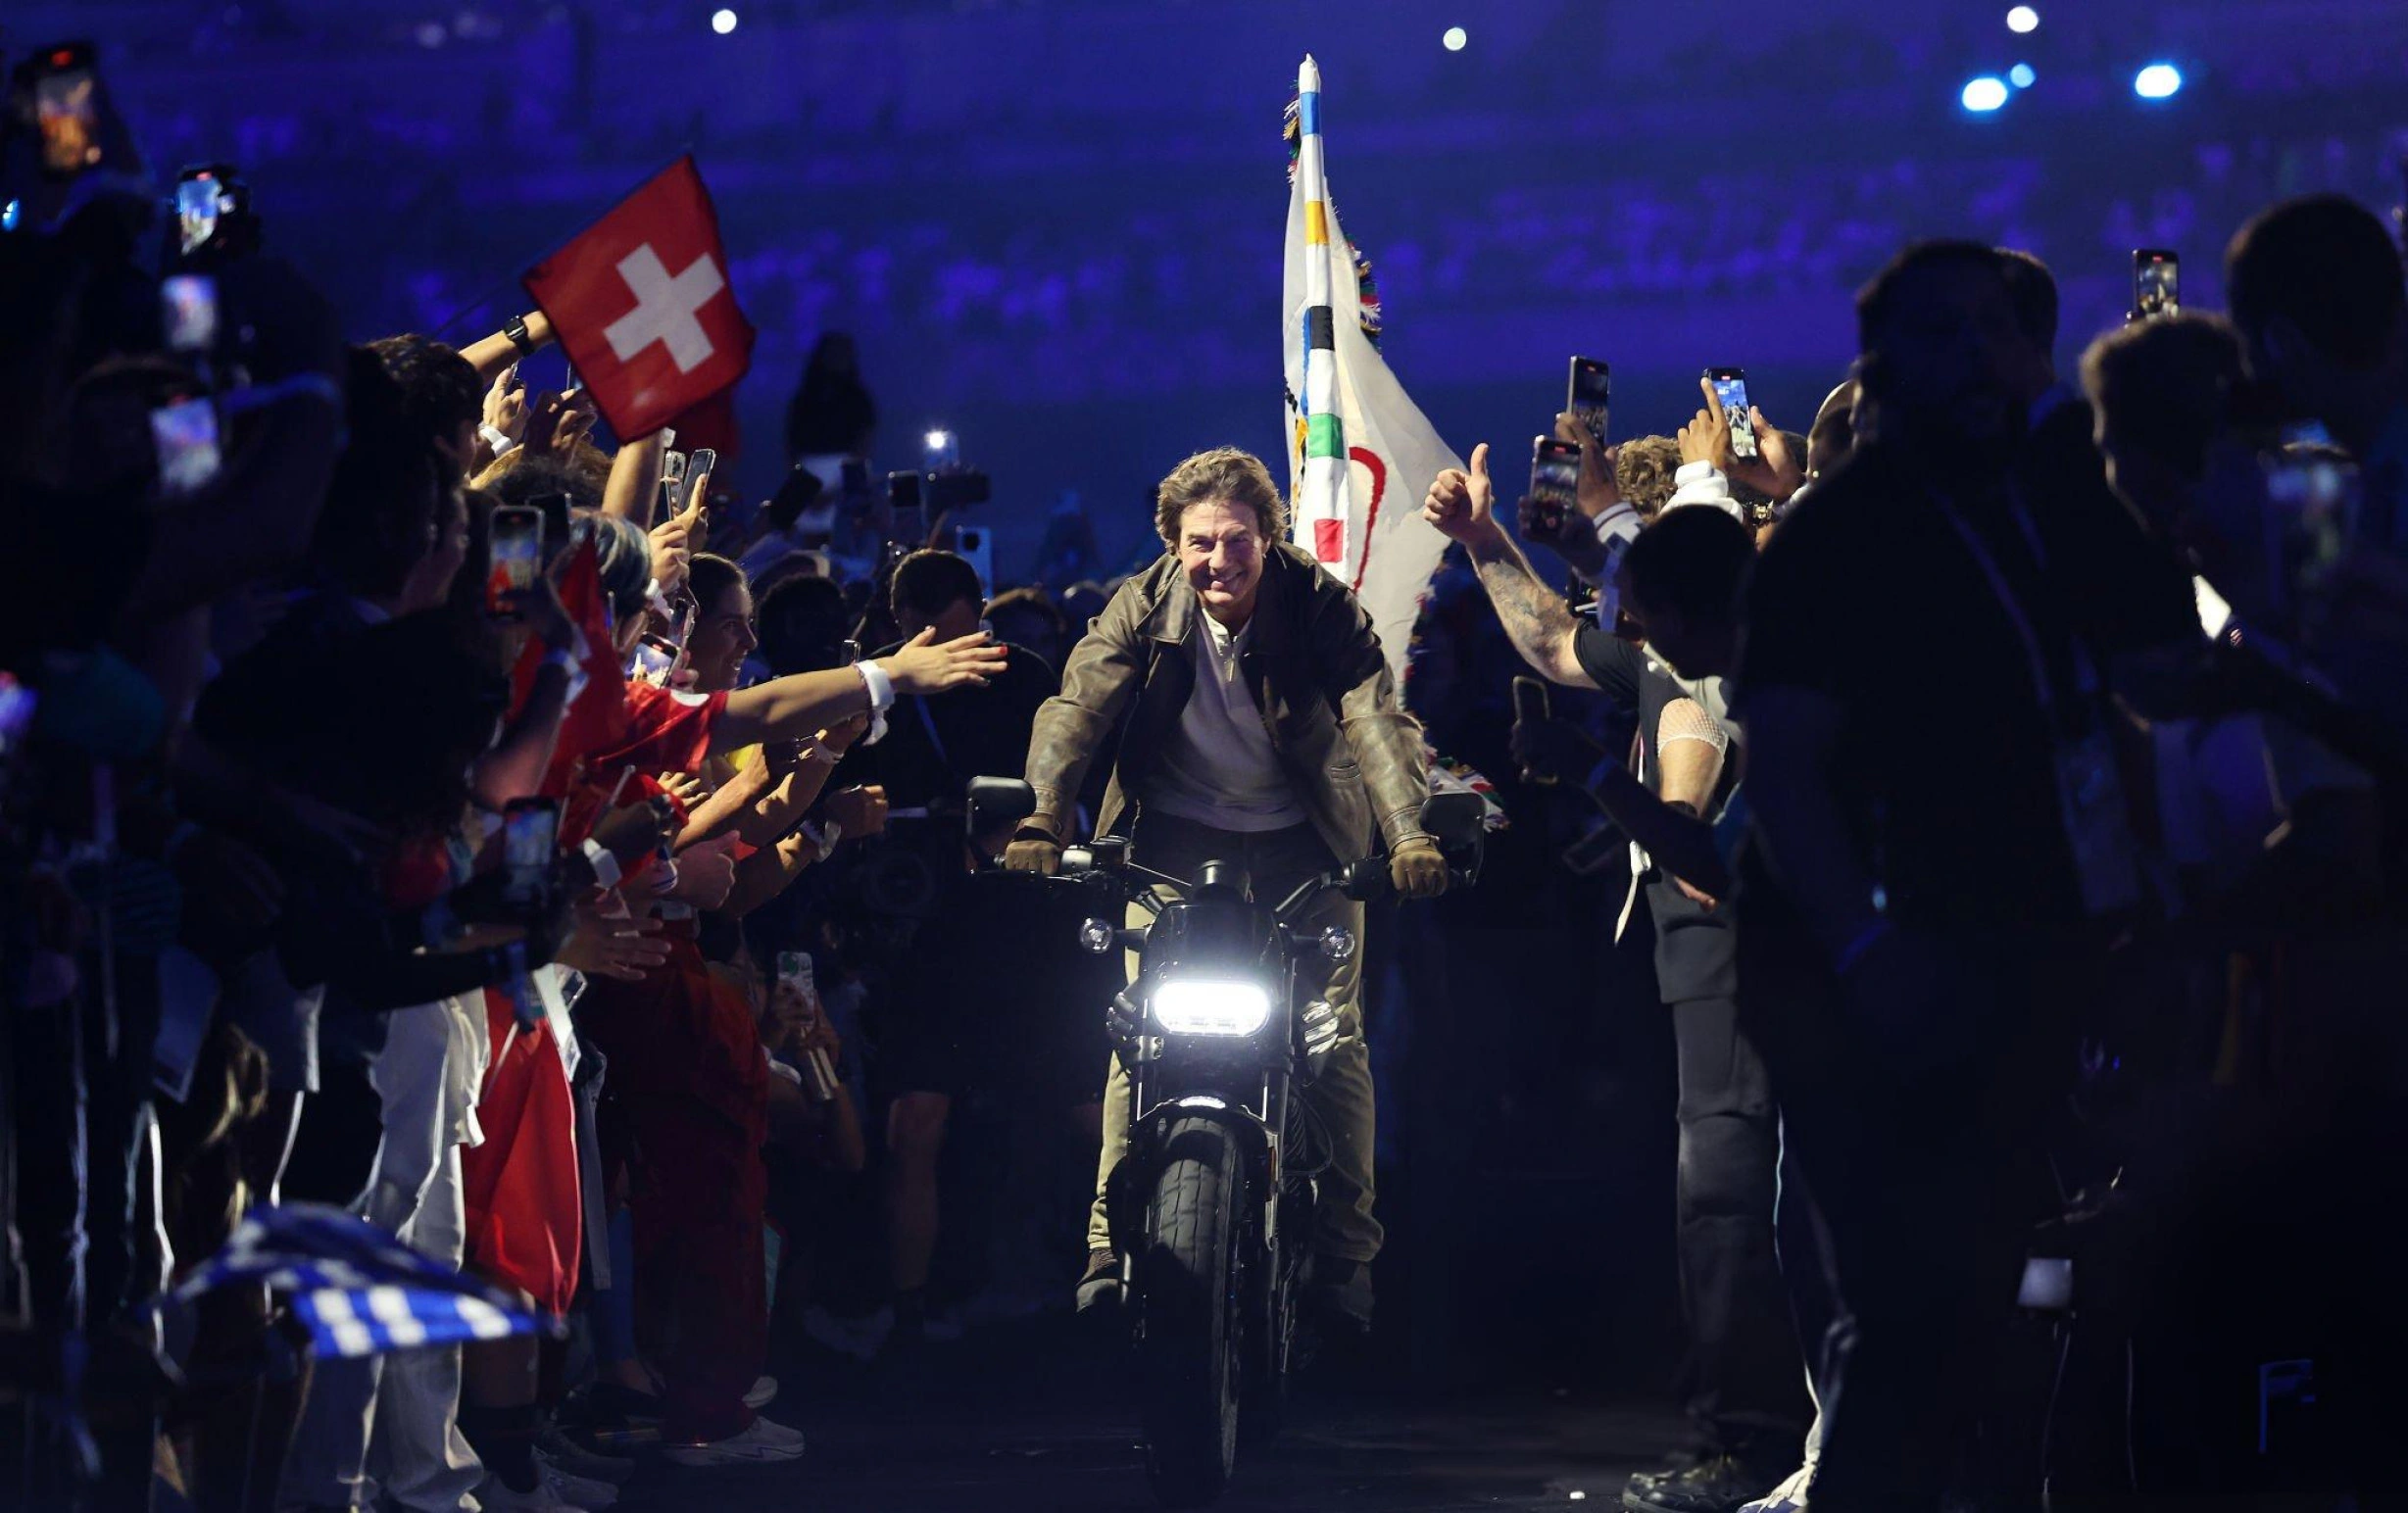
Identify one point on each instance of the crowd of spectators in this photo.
(412, 803)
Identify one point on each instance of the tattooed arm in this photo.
(1461, 505)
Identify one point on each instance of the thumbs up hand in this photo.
(1463, 505)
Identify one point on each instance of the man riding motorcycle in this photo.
(1263, 731)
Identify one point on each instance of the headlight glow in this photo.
(1204, 1006)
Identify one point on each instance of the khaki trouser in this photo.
(1276, 862)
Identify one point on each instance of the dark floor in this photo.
(1050, 1427)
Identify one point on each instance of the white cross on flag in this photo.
(642, 306)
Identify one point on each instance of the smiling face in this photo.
(1220, 548)
(722, 638)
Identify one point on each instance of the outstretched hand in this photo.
(924, 666)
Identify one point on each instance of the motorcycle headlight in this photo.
(1204, 1006)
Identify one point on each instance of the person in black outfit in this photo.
(956, 1021)
(1938, 843)
(1746, 1393)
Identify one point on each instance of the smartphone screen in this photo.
(196, 212)
(529, 832)
(67, 109)
(1587, 396)
(2156, 282)
(188, 311)
(1731, 392)
(184, 434)
(1554, 481)
(517, 554)
(2313, 499)
(701, 464)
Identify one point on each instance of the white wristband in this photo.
(881, 697)
(605, 863)
(825, 839)
(496, 439)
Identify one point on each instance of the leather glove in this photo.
(1033, 851)
(1121, 1023)
(1416, 868)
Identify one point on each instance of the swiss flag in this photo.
(641, 303)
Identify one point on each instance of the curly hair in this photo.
(1222, 475)
(1643, 469)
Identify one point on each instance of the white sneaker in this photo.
(577, 1491)
(763, 1393)
(761, 1445)
(494, 1495)
(1789, 1498)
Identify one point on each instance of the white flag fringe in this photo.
(1360, 456)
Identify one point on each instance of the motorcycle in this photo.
(1212, 1211)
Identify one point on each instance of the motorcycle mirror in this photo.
(995, 801)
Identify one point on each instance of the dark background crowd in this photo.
(266, 729)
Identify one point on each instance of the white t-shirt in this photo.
(1219, 769)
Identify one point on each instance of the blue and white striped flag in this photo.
(360, 1291)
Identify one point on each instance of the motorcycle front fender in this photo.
(1131, 1184)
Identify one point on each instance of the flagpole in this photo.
(1321, 515)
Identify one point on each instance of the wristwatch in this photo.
(516, 332)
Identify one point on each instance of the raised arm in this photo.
(1541, 625)
(489, 355)
(635, 479)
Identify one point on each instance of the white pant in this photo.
(405, 1405)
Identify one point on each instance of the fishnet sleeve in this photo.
(1686, 719)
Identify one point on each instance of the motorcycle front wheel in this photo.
(1188, 1364)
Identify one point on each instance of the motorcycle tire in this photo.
(1190, 1333)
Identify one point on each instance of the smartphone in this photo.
(184, 434)
(1587, 394)
(2156, 282)
(67, 108)
(1555, 483)
(553, 508)
(1731, 392)
(188, 313)
(1532, 702)
(976, 545)
(530, 828)
(684, 640)
(2311, 501)
(902, 503)
(196, 212)
(517, 554)
(701, 464)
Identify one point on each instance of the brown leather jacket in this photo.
(1316, 672)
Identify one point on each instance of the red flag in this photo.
(641, 306)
